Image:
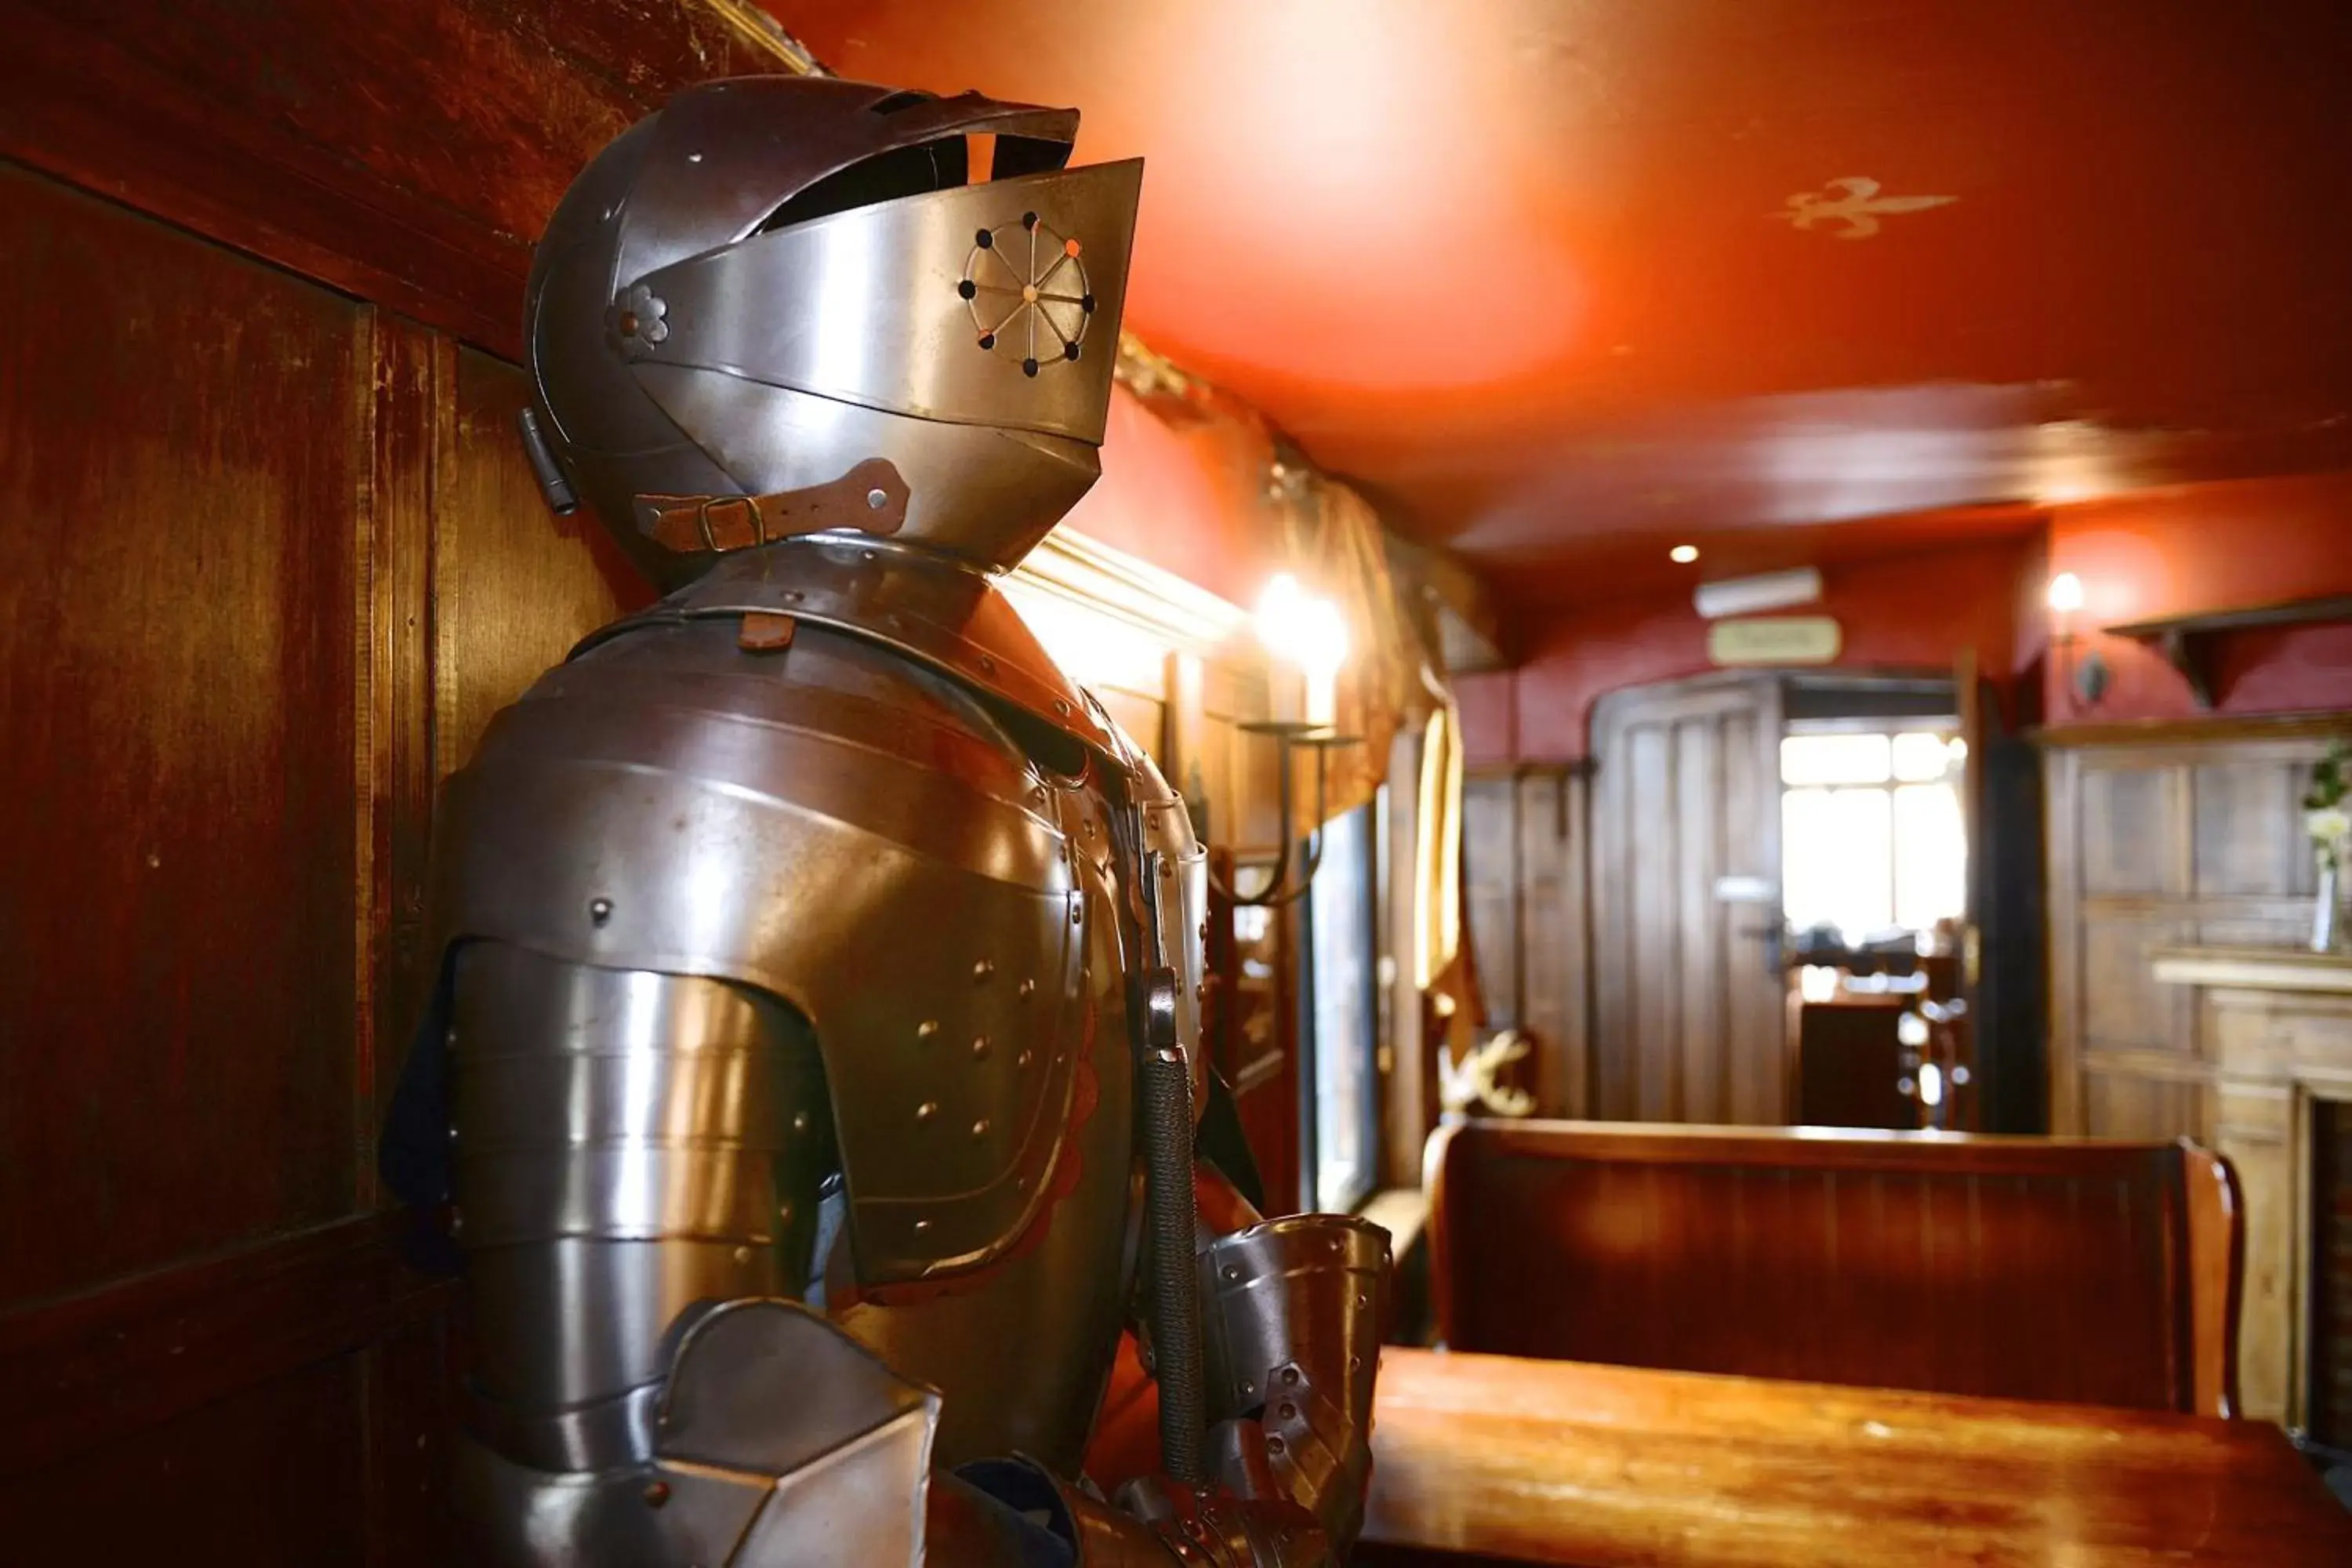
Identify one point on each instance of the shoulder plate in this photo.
(940, 612)
(835, 828)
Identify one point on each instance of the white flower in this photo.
(2330, 826)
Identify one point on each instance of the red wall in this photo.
(1913, 611)
(2211, 547)
(1183, 494)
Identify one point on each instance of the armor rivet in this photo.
(1355, 1364)
(868, 555)
(599, 910)
(980, 1050)
(1028, 988)
(1232, 1272)
(694, 157)
(1362, 1300)
(1248, 1389)
(922, 1226)
(1289, 1412)
(1274, 1445)
(877, 500)
(982, 970)
(980, 1127)
(928, 1029)
(987, 663)
(742, 1255)
(657, 1494)
(1290, 1377)
(926, 1111)
(1074, 914)
(794, 594)
(1061, 705)
(800, 1120)
(784, 1212)
(1022, 1061)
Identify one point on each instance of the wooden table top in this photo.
(1565, 1462)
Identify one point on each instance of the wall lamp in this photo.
(2084, 671)
(1309, 635)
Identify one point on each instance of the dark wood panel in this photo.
(177, 661)
(2238, 808)
(1555, 971)
(1626, 1468)
(1490, 892)
(83, 1370)
(422, 190)
(2019, 1269)
(2126, 814)
(268, 1476)
(514, 585)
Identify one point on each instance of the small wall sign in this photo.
(1774, 639)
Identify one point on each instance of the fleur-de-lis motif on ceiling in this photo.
(1858, 206)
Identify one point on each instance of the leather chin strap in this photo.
(871, 497)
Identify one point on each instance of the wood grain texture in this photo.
(418, 193)
(1602, 1467)
(1524, 839)
(2161, 836)
(1687, 1015)
(514, 585)
(2016, 1267)
(177, 677)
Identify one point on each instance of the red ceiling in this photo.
(1524, 269)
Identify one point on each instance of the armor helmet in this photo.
(780, 305)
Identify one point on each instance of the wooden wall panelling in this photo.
(183, 437)
(423, 189)
(514, 585)
(2190, 835)
(1525, 904)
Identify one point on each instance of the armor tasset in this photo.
(817, 950)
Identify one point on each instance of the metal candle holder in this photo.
(1292, 736)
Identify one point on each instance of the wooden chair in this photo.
(2100, 1273)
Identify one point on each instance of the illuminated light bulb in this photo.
(1277, 616)
(1322, 650)
(2065, 593)
(1683, 555)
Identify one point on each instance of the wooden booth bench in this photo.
(2096, 1273)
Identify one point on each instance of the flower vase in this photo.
(2328, 931)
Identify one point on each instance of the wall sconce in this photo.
(2086, 672)
(1308, 634)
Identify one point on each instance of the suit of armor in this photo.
(815, 1060)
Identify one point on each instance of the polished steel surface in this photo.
(918, 341)
(795, 1053)
(1023, 1353)
(1295, 1312)
(693, 333)
(930, 607)
(779, 1441)
(778, 824)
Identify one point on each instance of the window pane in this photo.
(1833, 759)
(1931, 856)
(1921, 757)
(1837, 859)
(1340, 921)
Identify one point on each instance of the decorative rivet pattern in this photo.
(600, 910)
(928, 1029)
(982, 969)
(926, 1111)
(980, 1127)
(980, 1048)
